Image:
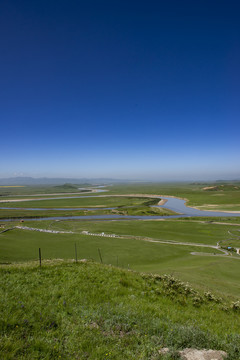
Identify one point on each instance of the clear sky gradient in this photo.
(145, 90)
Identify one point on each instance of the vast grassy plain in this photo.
(135, 251)
(122, 314)
(142, 244)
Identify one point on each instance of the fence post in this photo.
(76, 252)
(99, 252)
(40, 257)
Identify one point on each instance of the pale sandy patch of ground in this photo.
(209, 187)
(17, 200)
(212, 222)
(162, 202)
(195, 354)
(215, 207)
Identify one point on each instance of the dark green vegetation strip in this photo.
(82, 202)
(124, 206)
(91, 311)
(28, 214)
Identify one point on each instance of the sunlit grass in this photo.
(91, 311)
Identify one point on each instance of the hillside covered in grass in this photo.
(85, 310)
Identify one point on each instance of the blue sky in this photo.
(145, 90)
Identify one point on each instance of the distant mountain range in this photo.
(23, 180)
(56, 181)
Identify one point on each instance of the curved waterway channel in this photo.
(172, 203)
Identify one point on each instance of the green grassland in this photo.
(45, 196)
(97, 201)
(22, 245)
(28, 214)
(222, 196)
(91, 311)
(218, 273)
(233, 238)
(124, 206)
(219, 220)
(204, 196)
(184, 231)
(118, 309)
(40, 189)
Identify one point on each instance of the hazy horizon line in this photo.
(116, 179)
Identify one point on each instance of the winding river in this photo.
(179, 206)
(172, 203)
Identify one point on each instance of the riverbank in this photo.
(139, 211)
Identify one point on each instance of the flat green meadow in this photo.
(134, 249)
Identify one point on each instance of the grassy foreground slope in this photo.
(92, 311)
